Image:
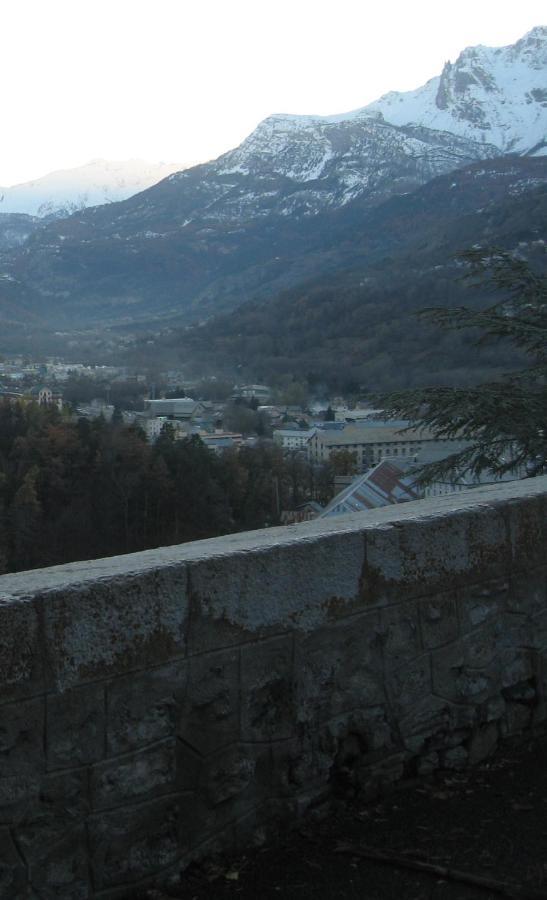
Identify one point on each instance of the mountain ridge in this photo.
(248, 224)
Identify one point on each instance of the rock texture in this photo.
(159, 705)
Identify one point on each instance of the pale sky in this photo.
(182, 80)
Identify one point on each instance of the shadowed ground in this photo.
(490, 822)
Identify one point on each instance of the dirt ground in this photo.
(488, 823)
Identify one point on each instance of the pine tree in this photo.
(505, 422)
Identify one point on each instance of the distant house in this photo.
(292, 439)
(259, 392)
(46, 396)
(305, 512)
(222, 440)
(176, 408)
(374, 443)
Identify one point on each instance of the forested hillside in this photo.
(357, 325)
(73, 490)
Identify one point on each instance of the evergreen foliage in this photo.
(505, 421)
(82, 489)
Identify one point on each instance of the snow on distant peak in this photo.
(496, 95)
(97, 182)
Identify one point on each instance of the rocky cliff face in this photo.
(495, 95)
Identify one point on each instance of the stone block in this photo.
(21, 650)
(493, 709)
(535, 634)
(339, 669)
(517, 717)
(268, 822)
(134, 842)
(528, 592)
(115, 625)
(52, 815)
(138, 776)
(527, 521)
(467, 671)
(267, 696)
(439, 619)
(248, 595)
(480, 603)
(517, 666)
(456, 758)
(425, 720)
(484, 647)
(409, 685)
(144, 708)
(303, 764)
(400, 630)
(210, 713)
(62, 871)
(21, 753)
(483, 743)
(238, 775)
(75, 727)
(417, 557)
(13, 872)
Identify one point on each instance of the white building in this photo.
(292, 439)
(372, 444)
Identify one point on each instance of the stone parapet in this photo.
(158, 706)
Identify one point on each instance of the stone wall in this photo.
(157, 706)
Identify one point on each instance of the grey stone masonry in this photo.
(159, 706)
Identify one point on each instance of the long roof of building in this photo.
(383, 485)
(371, 435)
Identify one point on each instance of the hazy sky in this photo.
(185, 80)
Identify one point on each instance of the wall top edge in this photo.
(35, 582)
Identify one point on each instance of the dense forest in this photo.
(78, 489)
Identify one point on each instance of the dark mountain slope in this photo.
(358, 324)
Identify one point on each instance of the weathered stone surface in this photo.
(482, 602)
(467, 670)
(21, 650)
(425, 721)
(144, 708)
(76, 727)
(457, 758)
(248, 595)
(52, 815)
(63, 870)
(115, 626)
(267, 708)
(410, 684)
(400, 630)
(528, 594)
(210, 714)
(13, 873)
(137, 776)
(22, 757)
(517, 717)
(136, 841)
(527, 520)
(483, 743)
(439, 619)
(424, 555)
(339, 669)
(239, 774)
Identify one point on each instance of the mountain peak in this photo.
(495, 95)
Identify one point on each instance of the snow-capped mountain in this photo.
(69, 190)
(261, 216)
(493, 94)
